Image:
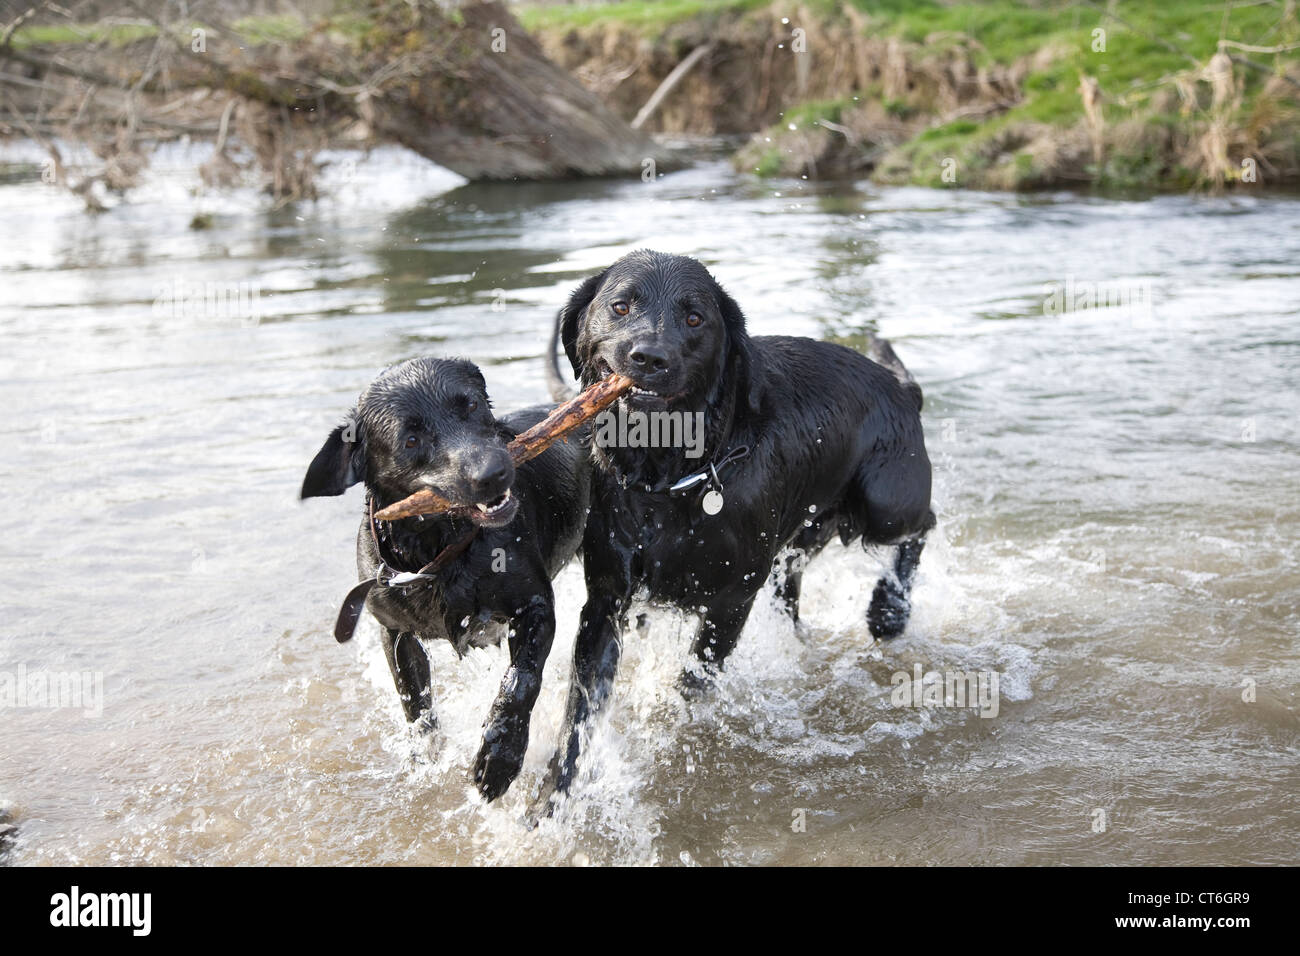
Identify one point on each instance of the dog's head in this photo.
(666, 324)
(423, 424)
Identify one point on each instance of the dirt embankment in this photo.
(745, 82)
(831, 92)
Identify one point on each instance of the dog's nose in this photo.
(490, 476)
(648, 357)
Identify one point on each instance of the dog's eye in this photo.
(621, 308)
(694, 320)
(412, 441)
(471, 405)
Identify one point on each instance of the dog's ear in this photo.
(339, 464)
(566, 323)
(741, 357)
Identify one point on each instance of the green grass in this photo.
(923, 159)
(256, 30)
(769, 164)
(73, 34)
(1135, 64)
(638, 14)
(284, 28)
(1003, 30)
(807, 114)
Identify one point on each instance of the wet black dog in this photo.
(803, 440)
(426, 423)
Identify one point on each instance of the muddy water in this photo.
(1118, 490)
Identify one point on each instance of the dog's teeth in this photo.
(493, 509)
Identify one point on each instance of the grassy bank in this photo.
(1000, 94)
(989, 93)
(284, 28)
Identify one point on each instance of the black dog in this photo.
(802, 440)
(426, 423)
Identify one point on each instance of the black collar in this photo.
(706, 479)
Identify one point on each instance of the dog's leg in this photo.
(608, 574)
(892, 503)
(409, 662)
(791, 585)
(805, 544)
(719, 630)
(595, 663)
(505, 732)
(891, 604)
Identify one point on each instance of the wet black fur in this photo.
(836, 448)
(503, 580)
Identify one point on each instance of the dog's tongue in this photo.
(530, 444)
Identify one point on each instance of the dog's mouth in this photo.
(500, 510)
(638, 396)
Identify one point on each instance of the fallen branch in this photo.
(670, 82)
(530, 444)
(458, 86)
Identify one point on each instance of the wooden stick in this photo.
(530, 444)
(423, 502)
(567, 417)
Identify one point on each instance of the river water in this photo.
(1111, 406)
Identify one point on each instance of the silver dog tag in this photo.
(712, 503)
(689, 482)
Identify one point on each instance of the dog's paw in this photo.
(889, 611)
(426, 725)
(695, 684)
(803, 631)
(542, 808)
(553, 789)
(502, 755)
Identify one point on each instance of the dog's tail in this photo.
(882, 353)
(561, 391)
